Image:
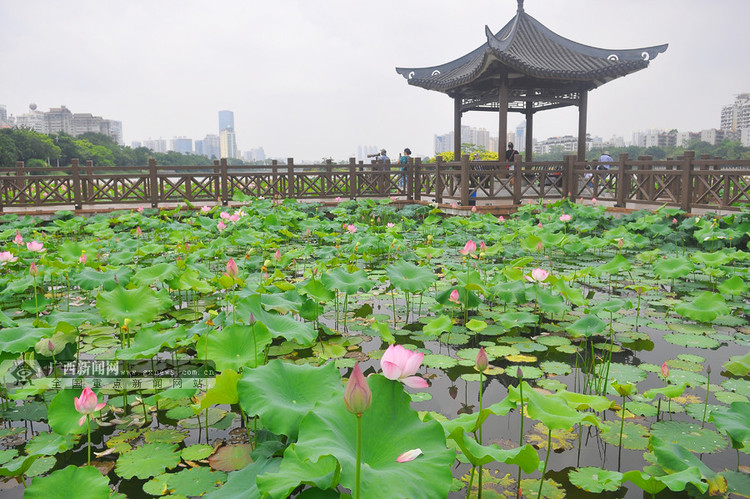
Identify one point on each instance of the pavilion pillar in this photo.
(583, 105)
(502, 125)
(528, 149)
(457, 128)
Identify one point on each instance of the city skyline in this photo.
(339, 88)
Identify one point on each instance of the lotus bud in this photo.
(519, 373)
(232, 269)
(664, 370)
(33, 270)
(277, 255)
(251, 320)
(18, 239)
(482, 362)
(708, 368)
(455, 298)
(138, 231)
(357, 396)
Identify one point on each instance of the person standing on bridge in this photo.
(403, 160)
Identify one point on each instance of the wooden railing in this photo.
(686, 182)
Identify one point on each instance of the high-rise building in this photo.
(228, 143)
(182, 145)
(3, 116)
(520, 140)
(156, 145)
(58, 119)
(736, 116)
(212, 147)
(226, 120)
(33, 120)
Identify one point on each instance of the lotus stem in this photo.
(481, 442)
(520, 438)
(705, 403)
(546, 460)
(359, 457)
(88, 427)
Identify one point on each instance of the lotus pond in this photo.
(277, 349)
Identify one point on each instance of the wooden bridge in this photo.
(686, 182)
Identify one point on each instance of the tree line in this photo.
(38, 150)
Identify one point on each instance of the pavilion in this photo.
(525, 67)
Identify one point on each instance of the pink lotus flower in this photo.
(351, 228)
(205, 209)
(409, 455)
(665, 370)
(82, 258)
(399, 363)
(357, 396)
(338, 199)
(393, 198)
(482, 246)
(234, 218)
(232, 269)
(469, 247)
(18, 239)
(565, 218)
(86, 404)
(482, 362)
(390, 225)
(674, 221)
(7, 257)
(501, 219)
(35, 246)
(473, 209)
(221, 226)
(539, 246)
(33, 270)
(455, 298)
(277, 255)
(538, 275)
(454, 206)
(539, 224)
(620, 243)
(138, 231)
(224, 215)
(140, 209)
(593, 200)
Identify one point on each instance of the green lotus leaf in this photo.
(673, 268)
(741, 386)
(596, 480)
(139, 305)
(294, 471)
(669, 391)
(149, 341)
(441, 324)
(550, 489)
(49, 444)
(647, 483)
(691, 340)
(552, 410)
(689, 435)
(348, 283)
(282, 393)
(277, 325)
(147, 460)
(476, 325)
(525, 457)
(549, 303)
(224, 390)
(75, 319)
(237, 346)
(242, 483)
(409, 277)
(624, 373)
(194, 482)
(735, 421)
(614, 266)
(510, 320)
(739, 365)
(582, 402)
(189, 280)
(439, 361)
(19, 466)
(465, 297)
(738, 482)
(165, 436)
(87, 482)
(196, 452)
(90, 279)
(705, 308)
(683, 467)
(22, 338)
(160, 272)
(711, 259)
(510, 292)
(733, 286)
(317, 290)
(389, 428)
(586, 326)
(634, 436)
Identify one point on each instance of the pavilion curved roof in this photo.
(526, 49)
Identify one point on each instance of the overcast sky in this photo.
(315, 78)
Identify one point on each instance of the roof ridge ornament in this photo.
(520, 5)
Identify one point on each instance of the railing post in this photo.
(569, 184)
(700, 187)
(465, 174)
(687, 184)
(517, 178)
(20, 181)
(417, 176)
(622, 185)
(224, 182)
(154, 181)
(274, 177)
(290, 177)
(217, 178)
(352, 178)
(439, 185)
(76, 184)
(327, 179)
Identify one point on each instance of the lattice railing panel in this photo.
(102, 189)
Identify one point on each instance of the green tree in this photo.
(30, 144)
(8, 151)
